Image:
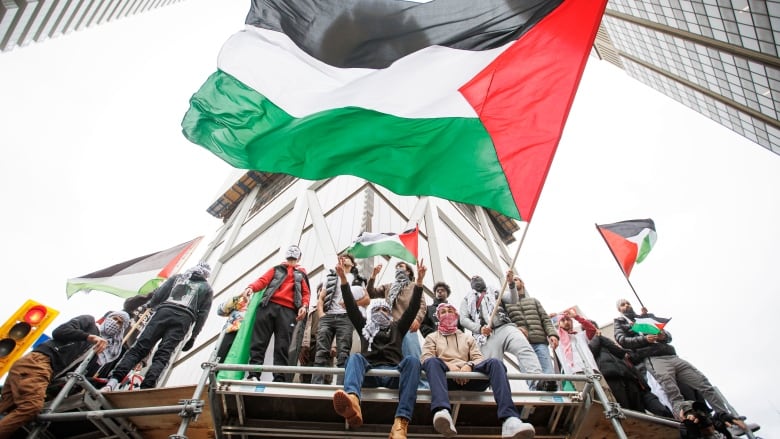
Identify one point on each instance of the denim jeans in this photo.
(355, 378)
(436, 369)
(411, 348)
(543, 354)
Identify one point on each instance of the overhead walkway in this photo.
(245, 409)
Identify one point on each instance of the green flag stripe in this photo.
(644, 248)
(248, 131)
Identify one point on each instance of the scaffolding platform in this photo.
(247, 409)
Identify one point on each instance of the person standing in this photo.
(450, 350)
(234, 309)
(529, 316)
(181, 302)
(24, 391)
(285, 301)
(333, 319)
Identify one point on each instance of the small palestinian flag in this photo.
(649, 325)
(136, 276)
(630, 241)
(403, 246)
(396, 91)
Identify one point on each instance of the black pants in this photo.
(276, 320)
(227, 343)
(169, 326)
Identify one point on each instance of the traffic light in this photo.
(21, 330)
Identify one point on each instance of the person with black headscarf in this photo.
(183, 300)
(381, 337)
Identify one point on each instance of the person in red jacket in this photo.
(285, 301)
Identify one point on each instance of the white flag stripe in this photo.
(425, 83)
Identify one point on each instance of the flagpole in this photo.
(505, 282)
(621, 267)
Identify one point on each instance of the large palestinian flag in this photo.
(136, 276)
(629, 241)
(460, 99)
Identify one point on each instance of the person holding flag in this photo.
(653, 347)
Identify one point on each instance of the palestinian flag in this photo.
(136, 276)
(630, 241)
(460, 99)
(649, 325)
(403, 246)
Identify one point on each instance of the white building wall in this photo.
(324, 218)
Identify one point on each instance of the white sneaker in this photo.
(442, 422)
(514, 428)
(110, 386)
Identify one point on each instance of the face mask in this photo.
(401, 275)
(111, 327)
(448, 323)
(381, 319)
(293, 252)
(478, 284)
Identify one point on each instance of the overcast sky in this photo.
(96, 172)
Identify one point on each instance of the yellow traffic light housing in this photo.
(21, 330)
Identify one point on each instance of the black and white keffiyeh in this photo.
(376, 321)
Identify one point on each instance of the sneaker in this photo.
(347, 405)
(110, 386)
(442, 423)
(737, 431)
(514, 428)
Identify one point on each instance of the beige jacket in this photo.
(455, 349)
(401, 302)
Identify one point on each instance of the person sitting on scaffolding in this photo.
(661, 361)
(24, 391)
(183, 300)
(381, 338)
(494, 331)
(450, 350)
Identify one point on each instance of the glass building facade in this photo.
(718, 57)
(25, 21)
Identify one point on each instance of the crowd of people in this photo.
(359, 326)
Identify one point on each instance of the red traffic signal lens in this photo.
(6, 347)
(19, 330)
(35, 314)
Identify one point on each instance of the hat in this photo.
(293, 252)
(620, 302)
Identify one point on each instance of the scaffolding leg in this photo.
(193, 407)
(611, 410)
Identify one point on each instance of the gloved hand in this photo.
(188, 345)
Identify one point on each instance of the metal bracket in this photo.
(613, 411)
(191, 408)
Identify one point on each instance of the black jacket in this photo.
(68, 342)
(386, 348)
(194, 298)
(640, 348)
